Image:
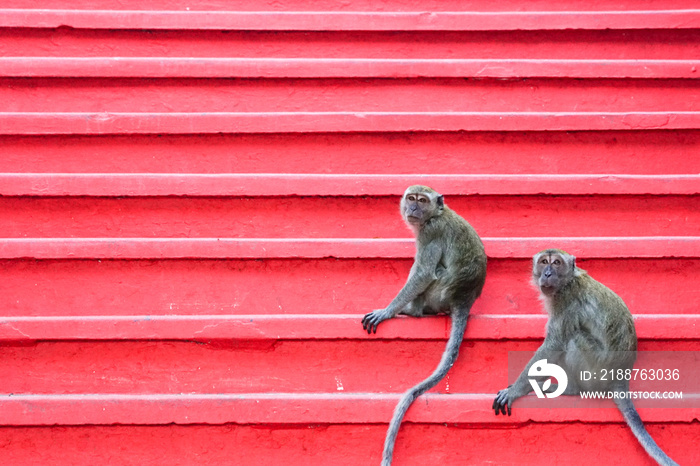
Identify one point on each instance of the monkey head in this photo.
(419, 204)
(552, 269)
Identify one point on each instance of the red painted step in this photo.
(671, 46)
(636, 152)
(31, 123)
(360, 16)
(212, 356)
(255, 327)
(280, 217)
(103, 287)
(627, 104)
(342, 444)
(655, 247)
(290, 409)
(343, 68)
(316, 185)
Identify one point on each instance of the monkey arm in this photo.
(521, 387)
(422, 275)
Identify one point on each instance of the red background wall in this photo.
(199, 202)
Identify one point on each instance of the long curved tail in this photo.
(459, 325)
(629, 412)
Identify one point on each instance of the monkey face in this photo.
(552, 269)
(417, 208)
(419, 204)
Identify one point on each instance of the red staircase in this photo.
(198, 205)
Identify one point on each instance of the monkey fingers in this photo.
(371, 321)
(502, 402)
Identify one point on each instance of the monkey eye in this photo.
(411, 198)
(556, 262)
(422, 200)
(544, 261)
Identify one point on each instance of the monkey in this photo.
(589, 328)
(447, 276)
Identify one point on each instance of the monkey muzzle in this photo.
(548, 281)
(414, 215)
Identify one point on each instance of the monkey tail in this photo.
(629, 412)
(459, 325)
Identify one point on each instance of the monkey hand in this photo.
(371, 321)
(502, 402)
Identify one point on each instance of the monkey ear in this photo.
(440, 202)
(573, 262)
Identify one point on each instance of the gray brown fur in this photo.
(589, 328)
(447, 276)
